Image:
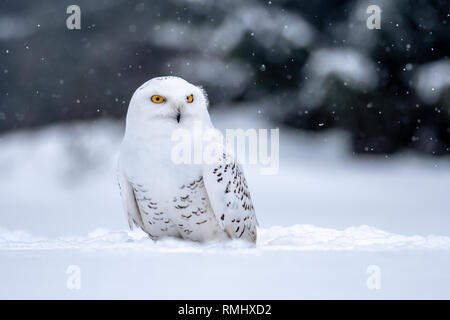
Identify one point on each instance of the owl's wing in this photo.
(230, 199)
(129, 199)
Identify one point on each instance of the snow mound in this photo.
(309, 237)
(293, 238)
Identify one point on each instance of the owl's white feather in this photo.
(196, 201)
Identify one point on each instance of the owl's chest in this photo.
(172, 197)
(182, 210)
(153, 165)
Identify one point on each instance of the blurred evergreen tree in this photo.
(310, 65)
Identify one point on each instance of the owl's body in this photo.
(193, 201)
(171, 198)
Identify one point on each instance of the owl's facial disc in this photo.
(169, 99)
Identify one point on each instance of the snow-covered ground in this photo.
(324, 219)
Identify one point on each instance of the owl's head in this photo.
(168, 101)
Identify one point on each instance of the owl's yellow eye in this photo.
(190, 98)
(157, 99)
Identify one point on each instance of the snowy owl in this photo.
(197, 202)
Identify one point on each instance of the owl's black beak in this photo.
(178, 116)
